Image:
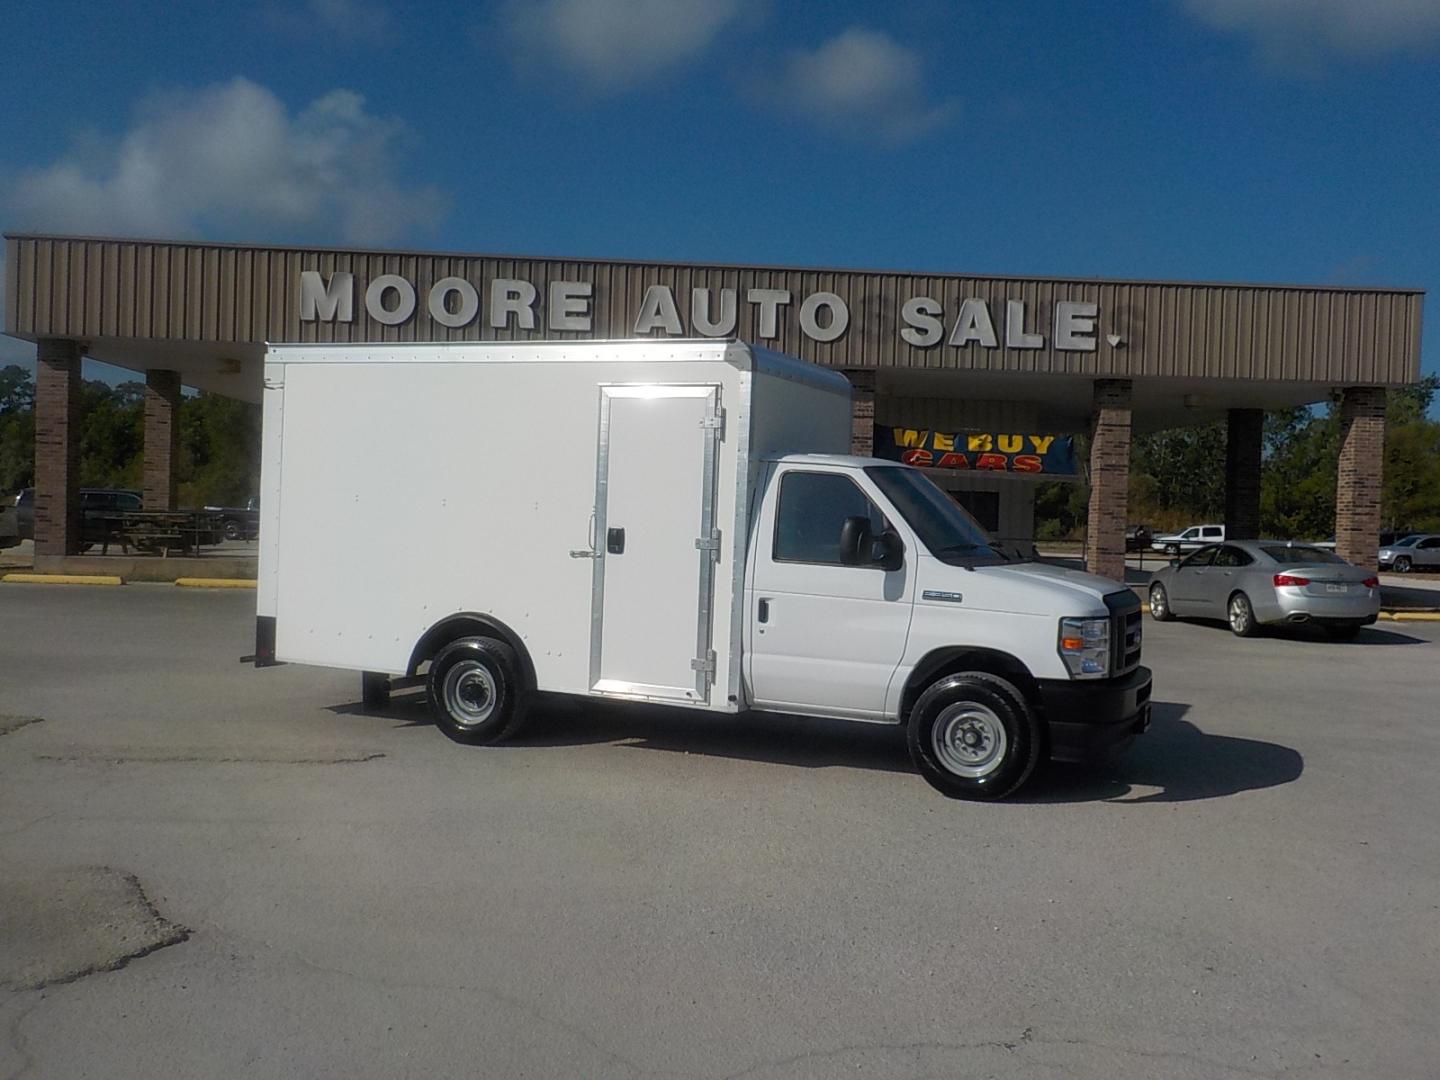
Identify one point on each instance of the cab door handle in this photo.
(762, 614)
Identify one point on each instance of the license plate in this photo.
(1337, 588)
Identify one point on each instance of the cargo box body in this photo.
(593, 498)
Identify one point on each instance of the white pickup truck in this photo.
(672, 522)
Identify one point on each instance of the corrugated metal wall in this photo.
(92, 288)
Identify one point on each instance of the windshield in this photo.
(1295, 555)
(1409, 541)
(943, 526)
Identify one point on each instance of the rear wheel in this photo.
(1402, 564)
(476, 691)
(972, 736)
(1242, 616)
(233, 530)
(1160, 603)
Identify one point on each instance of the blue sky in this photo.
(1245, 140)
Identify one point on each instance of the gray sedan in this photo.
(1253, 583)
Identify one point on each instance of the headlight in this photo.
(1085, 647)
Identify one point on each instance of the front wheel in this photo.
(1172, 550)
(1160, 603)
(232, 530)
(1242, 616)
(972, 736)
(476, 692)
(1402, 564)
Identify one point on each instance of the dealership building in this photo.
(962, 374)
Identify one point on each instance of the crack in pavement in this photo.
(160, 756)
(11, 724)
(1019, 1044)
(17, 1040)
(66, 925)
(524, 1007)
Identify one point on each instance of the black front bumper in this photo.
(1090, 719)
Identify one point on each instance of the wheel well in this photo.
(469, 624)
(949, 661)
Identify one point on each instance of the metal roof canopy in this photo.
(1192, 349)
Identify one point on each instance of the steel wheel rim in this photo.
(470, 693)
(1402, 565)
(1239, 614)
(1157, 600)
(969, 740)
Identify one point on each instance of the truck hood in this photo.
(1030, 588)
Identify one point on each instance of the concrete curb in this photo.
(1411, 616)
(62, 579)
(215, 583)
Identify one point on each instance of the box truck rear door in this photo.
(653, 584)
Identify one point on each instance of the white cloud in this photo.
(1304, 32)
(613, 44)
(231, 158)
(862, 82)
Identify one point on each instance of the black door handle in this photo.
(763, 613)
(615, 541)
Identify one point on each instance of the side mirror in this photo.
(889, 551)
(856, 540)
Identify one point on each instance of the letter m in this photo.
(328, 301)
(909, 437)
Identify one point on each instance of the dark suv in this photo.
(95, 505)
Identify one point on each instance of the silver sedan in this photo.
(1254, 583)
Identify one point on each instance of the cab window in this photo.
(1203, 557)
(813, 507)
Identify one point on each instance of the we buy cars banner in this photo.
(1034, 455)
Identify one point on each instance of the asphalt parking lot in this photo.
(1254, 891)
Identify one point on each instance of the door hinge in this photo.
(704, 663)
(715, 421)
(709, 543)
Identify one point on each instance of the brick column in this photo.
(1362, 468)
(862, 411)
(1244, 429)
(162, 438)
(57, 447)
(1109, 478)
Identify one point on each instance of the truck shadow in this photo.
(1174, 761)
(1305, 634)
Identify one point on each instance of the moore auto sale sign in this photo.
(568, 306)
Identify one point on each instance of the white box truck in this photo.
(663, 521)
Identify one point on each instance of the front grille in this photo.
(1125, 631)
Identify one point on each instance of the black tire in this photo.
(1240, 614)
(1160, 610)
(1402, 564)
(1172, 550)
(941, 711)
(1343, 633)
(233, 530)
(476, 691)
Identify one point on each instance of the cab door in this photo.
(823, 638)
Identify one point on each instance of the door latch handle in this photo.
(762, 613)
(585, 554)
(615, 541)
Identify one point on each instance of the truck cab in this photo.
(873, 596)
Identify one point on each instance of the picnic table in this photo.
(163, 532)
